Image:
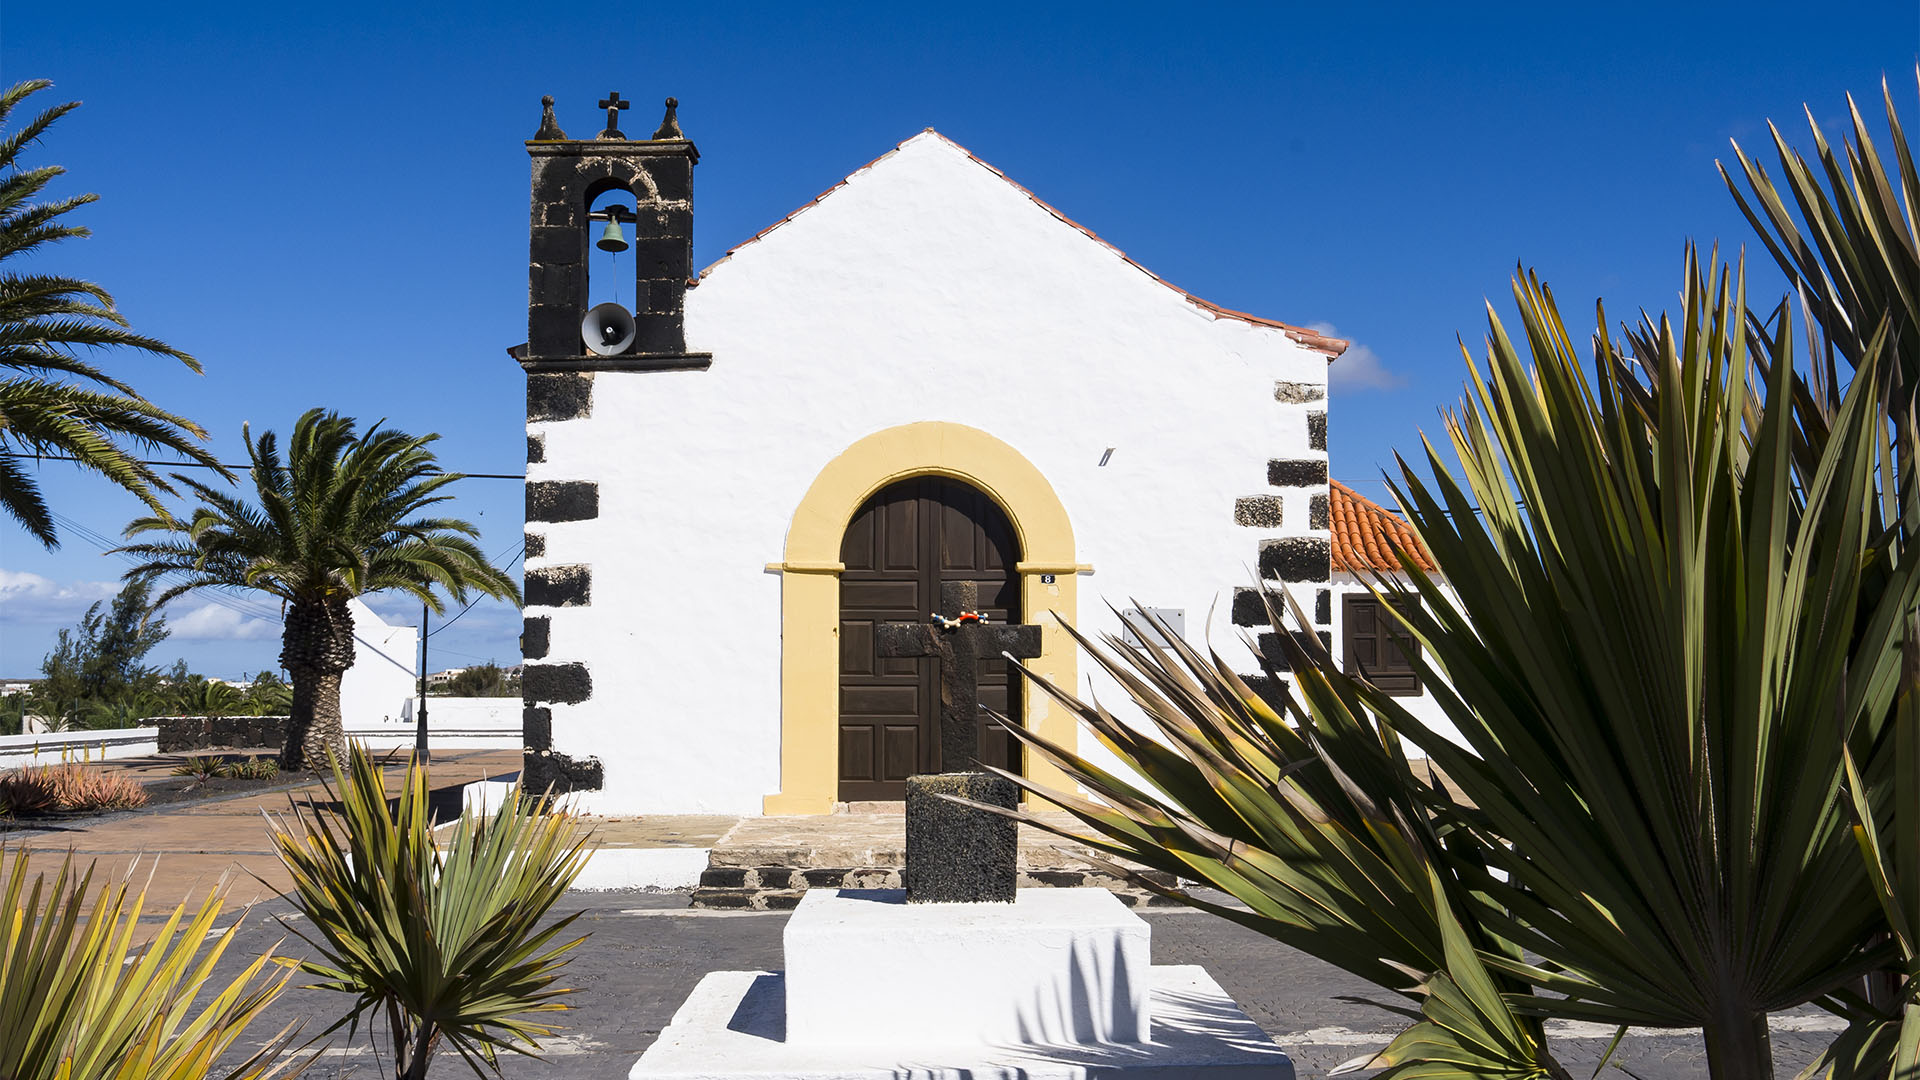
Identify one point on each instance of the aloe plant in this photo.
(441, 941)
(79, 1001)
(1656, 637)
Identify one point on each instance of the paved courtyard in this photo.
(648, 950)
(192, 846)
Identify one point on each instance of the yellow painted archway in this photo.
(810, 591)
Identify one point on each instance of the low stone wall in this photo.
(179, 734)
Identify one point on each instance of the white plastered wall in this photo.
(926, 288)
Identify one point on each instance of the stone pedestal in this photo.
(957, 854)
(1059, 966)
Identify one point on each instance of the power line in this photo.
(237, 605)
(248, 467)
(518, 550)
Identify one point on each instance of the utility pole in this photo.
(420, 715)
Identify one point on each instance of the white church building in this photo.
(926, 374)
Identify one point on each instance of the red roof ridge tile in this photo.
(1332, 347)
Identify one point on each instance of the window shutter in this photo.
(1377, 646)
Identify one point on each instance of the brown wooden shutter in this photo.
(1375, 645)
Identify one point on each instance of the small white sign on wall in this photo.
(1138, 627)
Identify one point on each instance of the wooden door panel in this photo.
(893, 702)
(856, 647)
(880, 596)
(856, 754)
(901, 748)
(900, 536)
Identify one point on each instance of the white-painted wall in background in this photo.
(58, 747)
(927, 288)
(379, 687)
(491, 723)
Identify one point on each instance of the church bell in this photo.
(612, 238)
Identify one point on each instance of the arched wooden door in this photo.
(901, 545)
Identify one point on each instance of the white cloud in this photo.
(28, 597)
(210, 623)
(1359, 368)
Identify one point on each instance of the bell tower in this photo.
(567, 333)
(598, 205)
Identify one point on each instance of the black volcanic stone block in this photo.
(1271, 689)
(562, 500)
(560, 586)
(550, 770)
(957, 854)
(564, 396)
(1249, 607)
(1305, 472)
(566, 684)
(534, 630)
(1297, 558)
(536, 727)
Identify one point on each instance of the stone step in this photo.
(768, 863)
(779, 888)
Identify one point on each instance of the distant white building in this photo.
(380, 686)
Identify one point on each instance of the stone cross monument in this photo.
(956, 854)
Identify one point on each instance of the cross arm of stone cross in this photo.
(906, 639)
(1022, 642)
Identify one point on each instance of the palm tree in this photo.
(52, 402)
(334, 520)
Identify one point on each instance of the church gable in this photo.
(925, 375)
(930, 209)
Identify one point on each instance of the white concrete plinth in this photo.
(732, 1028)
(1055, 966)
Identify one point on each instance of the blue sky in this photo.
(327, 203)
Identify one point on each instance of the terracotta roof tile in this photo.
(1364, 534)
(1332, 347)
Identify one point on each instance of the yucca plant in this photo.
(439, 943)
(1842, 229)
(1656, 640)
(1318, 823)
(80, 1001)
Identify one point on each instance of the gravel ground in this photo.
(647, 950)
